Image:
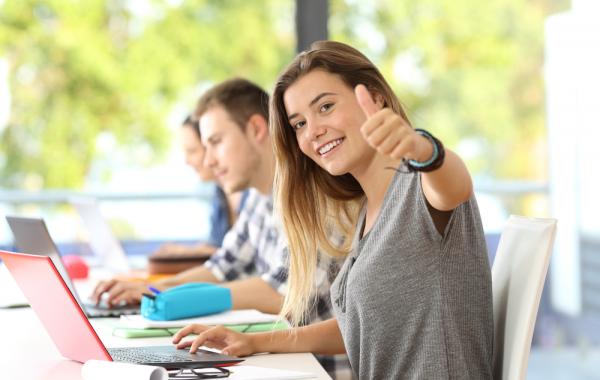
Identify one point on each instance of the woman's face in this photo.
(194, 153)
(326, 117)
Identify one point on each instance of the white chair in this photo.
(518, 276)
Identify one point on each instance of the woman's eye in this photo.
(299, 124)
(326, 107)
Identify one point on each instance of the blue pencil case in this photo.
(186, 301)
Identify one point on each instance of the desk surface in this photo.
(27, 352)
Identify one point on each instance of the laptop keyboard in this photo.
(145, 355)
(102, 310)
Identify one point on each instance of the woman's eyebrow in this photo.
(312, 102)
(318, 97)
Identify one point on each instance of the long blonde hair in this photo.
(313, 203)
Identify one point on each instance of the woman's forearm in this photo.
(450, 185)
(319, 338)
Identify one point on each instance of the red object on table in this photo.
(76, 266)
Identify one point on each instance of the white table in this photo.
(27, 352)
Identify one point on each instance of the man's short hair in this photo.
(239, 97)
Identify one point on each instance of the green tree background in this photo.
(80, 70)
(469, 71)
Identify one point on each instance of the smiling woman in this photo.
(417, 257)
(328, 127)
(413, 299)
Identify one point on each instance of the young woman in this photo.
(413, 299)
(225, 208)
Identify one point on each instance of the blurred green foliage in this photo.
(470, 71)
(83, 71)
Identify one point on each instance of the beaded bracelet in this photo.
(436, 160)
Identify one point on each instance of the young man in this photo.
(252, 261)
(233, 123)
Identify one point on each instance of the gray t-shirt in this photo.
(412, 303)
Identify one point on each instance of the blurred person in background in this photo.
(224, 209)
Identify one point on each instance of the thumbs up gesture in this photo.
(388, 132)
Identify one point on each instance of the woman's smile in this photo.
(330, 147)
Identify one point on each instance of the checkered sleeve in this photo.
(237, 254)
(277, 274)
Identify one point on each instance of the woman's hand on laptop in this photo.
(228, 341)
(119, 292)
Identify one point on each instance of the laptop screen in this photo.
(103, 241)
(72, 332)
(47, 293)
(32, 236)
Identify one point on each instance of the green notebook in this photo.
(124, 332)
(259, 327)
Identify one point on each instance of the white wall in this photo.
(572, 72)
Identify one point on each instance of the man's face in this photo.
(230, 153)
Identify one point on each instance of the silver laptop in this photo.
(32, 236)
(103, 241)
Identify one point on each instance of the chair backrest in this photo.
(518, 276)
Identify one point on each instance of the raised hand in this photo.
(388, 132)
(228, 341)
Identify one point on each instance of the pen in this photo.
(153, 290)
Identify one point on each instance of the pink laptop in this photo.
(70, 329)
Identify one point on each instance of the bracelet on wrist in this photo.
(434, 162)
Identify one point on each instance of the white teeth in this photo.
(329, 146)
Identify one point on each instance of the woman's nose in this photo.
(315, 130)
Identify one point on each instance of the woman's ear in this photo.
(257, 128)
